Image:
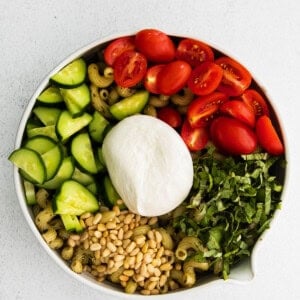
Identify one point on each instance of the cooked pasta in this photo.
(124, 91)
(158, 101)
(167, 241)
(187, 243)
(99, 104)
(43, 217)
(49, 235)
(41, 197)
(99, 80)
(150, 110)
(183, 99)
(189, 275)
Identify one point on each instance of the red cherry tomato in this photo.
(236, 78)
(205, 78)
(239, 110)
(268, 137)
(129, 68)
(117, 47)
(201, 110)
(194, 52)
(256, 101)
(232, 136)
(173, 77)
(195, 138)
(150, 81)
(155, 45)
(170, 115)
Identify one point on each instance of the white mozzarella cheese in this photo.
(149, 165)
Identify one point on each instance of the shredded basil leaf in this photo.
(232, 201)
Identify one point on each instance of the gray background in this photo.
(37, 35)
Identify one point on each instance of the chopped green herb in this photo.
(232, 202)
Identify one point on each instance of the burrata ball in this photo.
(149, 165)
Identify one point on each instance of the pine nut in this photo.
(166, 267)
(111, 247)
(128, 273)
(106, 252)
(134, 252)
(128, 234)
(95, 247)
(119, 257)
(153, 221)
(111, 225)
(97, 218)
(130, 247)
(121, 234)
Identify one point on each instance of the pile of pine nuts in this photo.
(124, 248)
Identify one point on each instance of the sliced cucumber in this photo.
(50, 96)
(130, 106)
(29, 190)
(82, 151)
(67, 125)
(52, 160)
(40, 144)
(47, 115)
(31, 163)
(83, 178)
(97, 127)
(49, 131)
(64, 173)
(111, 196)
(76, 99)
(74, 199)
(93, 187)
(71, 75)
(71, 223)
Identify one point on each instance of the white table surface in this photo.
(36, 35)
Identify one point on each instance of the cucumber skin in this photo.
(59, 83)
(61, 201)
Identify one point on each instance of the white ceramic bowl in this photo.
(241, 273)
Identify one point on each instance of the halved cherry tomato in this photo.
(239, 110)
(195, 138)
(205, 78)
(170, 115)
(129, 68)
(232, 136)
(155, 45)
(268, 137)
(117, 47)
(194, 52)
(236, 78)
(256, 101)
(173, 77)
(201, 110)
(150, 81)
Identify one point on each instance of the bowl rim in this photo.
(26, 209)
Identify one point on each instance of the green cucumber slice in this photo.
(77, 99)
(71, 223)
(49, 131)
(67, 125)
(64, 173)
(97, 127)
(82, 151)
(130, 106)
(40, 144)
(71, 75)
(29, 190)
(52, 160)
(111, 196)
(74, 199)
(47, 115)
(50, 96)
(31, 163)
